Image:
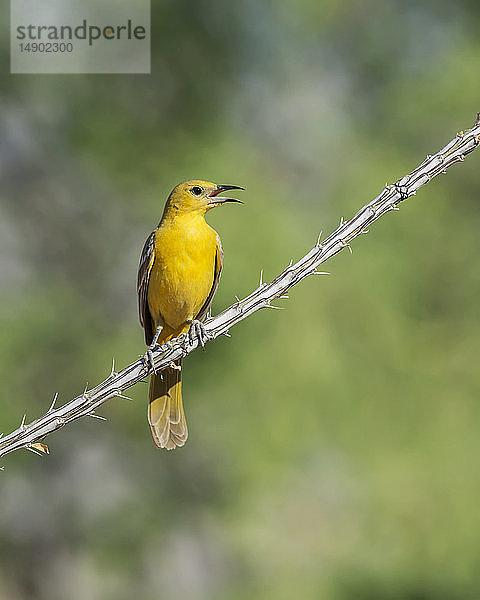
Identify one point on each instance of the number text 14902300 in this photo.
(46, 47)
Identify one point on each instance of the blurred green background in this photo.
(333, 448)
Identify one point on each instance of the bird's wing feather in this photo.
(205, 310)
(144, 268)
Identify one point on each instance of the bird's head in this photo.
(199, 196)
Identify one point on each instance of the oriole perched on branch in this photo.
(178, 275)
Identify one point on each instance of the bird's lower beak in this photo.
(216, 199)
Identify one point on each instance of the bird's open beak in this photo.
(222, 199)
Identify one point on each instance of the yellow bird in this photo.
(178, 275)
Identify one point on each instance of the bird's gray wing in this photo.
(144, 268)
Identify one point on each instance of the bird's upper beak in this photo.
(222, 199)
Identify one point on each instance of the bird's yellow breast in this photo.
(182, 274)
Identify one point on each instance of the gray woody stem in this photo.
(28, 435)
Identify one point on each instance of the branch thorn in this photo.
(52, 405)
(29, 447)
(119, 394)
(112, 372)
(92, 414)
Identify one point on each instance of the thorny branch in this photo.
(28, 436)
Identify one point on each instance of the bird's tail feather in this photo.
(165, 408)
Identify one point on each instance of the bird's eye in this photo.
(196, 190)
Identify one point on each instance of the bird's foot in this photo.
(184, 341)
(148, 356)
(197, 330)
